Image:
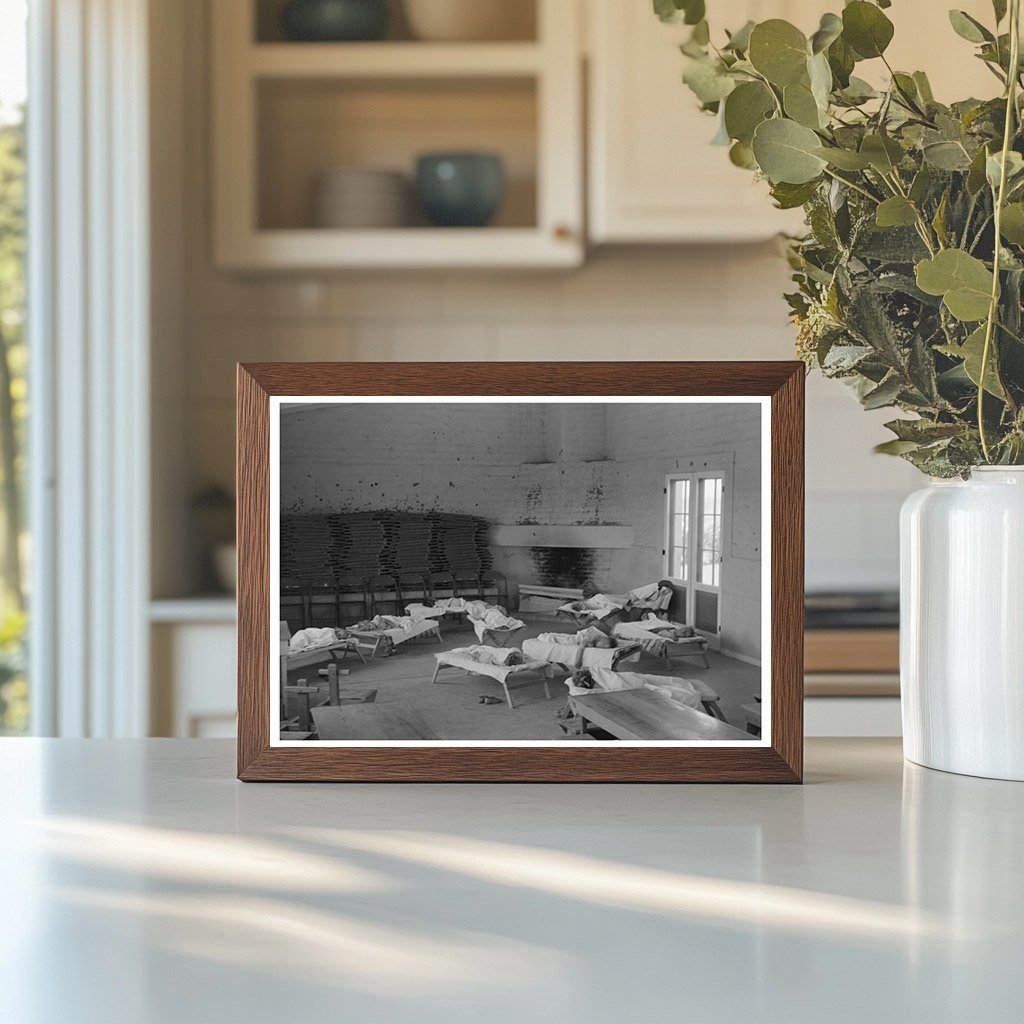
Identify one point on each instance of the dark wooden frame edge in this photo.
(780, 763)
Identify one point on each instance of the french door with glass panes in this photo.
(694, 544)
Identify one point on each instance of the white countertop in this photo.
(143, 885)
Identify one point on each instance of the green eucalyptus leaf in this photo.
(969, 28)
(866, 29)
(829, 30)
(963, 281)
(779, 51)
(947, 156)
(972, 353)
(939, 220)
(921, 185)
(695, 11)
(819, 74)
(676, 12)
(789, 197)
(923, 431)
(924, 87)
(896, 212)
(800, 105)
(976, 172)
(906, 86)
(999, 7)
(858, 91)
(741, 155)
(882, 152)
(701, 33)
(994, 169)
(745, 108)
(785, 152)
(844, 159)
(842, 61)
(887, 393)
(708, 80)
(1012, 224)
(739, 41)
(895, 447)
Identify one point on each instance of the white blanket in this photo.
(442, 606)
(308, 639)
(681, 691)
(650, 596)
(494, 618)
(656, 629)
(600, 606)
(568, 654)
(398, 628)
(481, 661)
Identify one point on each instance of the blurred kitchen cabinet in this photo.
(192, 653)
(653, 175)
(287, 114)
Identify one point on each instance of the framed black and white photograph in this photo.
(571, 577)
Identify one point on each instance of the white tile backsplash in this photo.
(714, 303)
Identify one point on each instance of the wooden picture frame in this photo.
(778, 760)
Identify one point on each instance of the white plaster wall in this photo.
(550, 465)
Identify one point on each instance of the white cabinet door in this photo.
(653, 175)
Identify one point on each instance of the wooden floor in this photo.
(450, 706)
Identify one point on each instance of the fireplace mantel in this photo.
(557, 535)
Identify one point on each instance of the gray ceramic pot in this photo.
(460, 189)
(334, 20)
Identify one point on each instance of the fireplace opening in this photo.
(563, 567)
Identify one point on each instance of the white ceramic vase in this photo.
(962, 624)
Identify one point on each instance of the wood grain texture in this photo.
(782, 762)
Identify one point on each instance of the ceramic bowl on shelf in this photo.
(331, 21)
(460, 189)
(470, 20)
(361, 198)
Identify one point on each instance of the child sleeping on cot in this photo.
(593, 602)
(308, 639)
(592, 636)
(667, 630)
(655, 597)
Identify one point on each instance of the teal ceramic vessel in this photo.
(461, 190)
(334, 21)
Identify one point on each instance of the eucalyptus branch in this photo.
(981, 231)
(923, 227)
(1000, 199)
(850, 184)
(871, 298)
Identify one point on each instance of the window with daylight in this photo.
(679, 541)
(695, 542)
(710, 537)
(14, 708)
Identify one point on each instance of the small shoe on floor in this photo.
(491, 700)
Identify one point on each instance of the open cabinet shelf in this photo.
(393, 60)
(286, 114)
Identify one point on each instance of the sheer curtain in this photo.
(88, 300)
